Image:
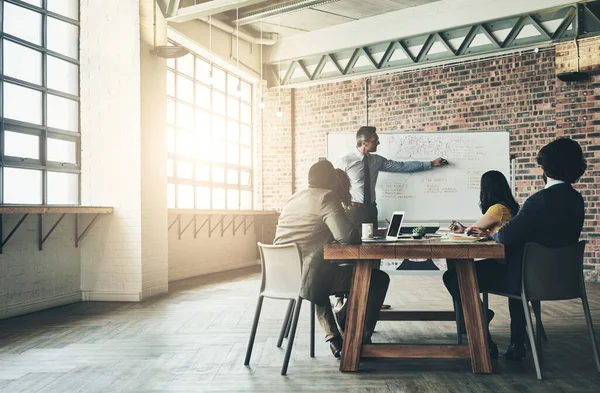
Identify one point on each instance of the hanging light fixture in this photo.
(210, 70)
(279, 113)
(238, 90)
(261, 104)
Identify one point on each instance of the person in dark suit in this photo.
(552, 217)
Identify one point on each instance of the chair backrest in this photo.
(553, 273)
(281, 270)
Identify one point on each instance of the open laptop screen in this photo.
(395, 224)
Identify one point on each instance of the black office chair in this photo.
(551, 274)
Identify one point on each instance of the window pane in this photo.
(202, 96)
(202, 172)
(22, 186)
(170, 170)
(233, 108)
(171, 83)
(202, 70)
(63, 188)
(233, 199)
(21, 103)
(185, 143)
(63, 76)
(63, 38)
(68, 8)
(22, 63)
(218, 103)
(219, 78)
(218, 174)
(246, 135)
(21, 145)
(63, 113)
(203, 124)
(218, 199)
(246, 114)
(60, 150)
(246, 92)
(23, 23)
(185, 89)
(218, 126)
(37, 3)
(245, 178)
(184, 169)
(185, 116)
(233, 131)
(232, 84)
(203, 198)
(171, 196)
(246, 200)
(232, 176)
(246, 157)
(170, 140)
(170, 111)
(218, 152)
(185, 196)
(233, 154)
(185, 65)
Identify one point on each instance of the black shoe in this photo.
(493, 349)
(515, 351)
(335, 344)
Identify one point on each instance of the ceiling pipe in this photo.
(243, 36)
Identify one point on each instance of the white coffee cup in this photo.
(367, 231)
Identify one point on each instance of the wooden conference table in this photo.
(461, 254)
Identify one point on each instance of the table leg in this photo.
(355, 315)
(473, 313)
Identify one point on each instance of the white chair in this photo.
(281, 279)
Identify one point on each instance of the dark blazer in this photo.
(552, 217)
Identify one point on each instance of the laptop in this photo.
(393, 231)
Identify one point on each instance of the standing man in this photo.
(363, 169)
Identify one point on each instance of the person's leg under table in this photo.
(473, 313)
(355, 315)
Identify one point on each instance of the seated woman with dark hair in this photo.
(498, 207)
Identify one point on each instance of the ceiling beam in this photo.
(208, 8)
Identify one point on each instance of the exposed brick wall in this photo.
(519, 93)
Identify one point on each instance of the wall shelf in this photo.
(26, 210)
(238, 220)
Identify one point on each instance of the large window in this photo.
(209, 136)
(39, 110)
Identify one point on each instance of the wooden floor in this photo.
(194, 340)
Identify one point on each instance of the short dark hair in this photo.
(343, 186)
(363, 133)
(562, 159)
(322, 175)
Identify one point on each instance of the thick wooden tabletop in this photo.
(435, 248)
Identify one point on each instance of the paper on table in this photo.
(461, 237)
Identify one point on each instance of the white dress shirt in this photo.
(553, 183)
(352, 164)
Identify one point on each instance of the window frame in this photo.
(43, 131)
(175, 156)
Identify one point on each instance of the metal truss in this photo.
(545, 27)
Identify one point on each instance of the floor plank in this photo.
(194, 340)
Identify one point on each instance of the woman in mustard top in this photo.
(498, 206)
(496, 202)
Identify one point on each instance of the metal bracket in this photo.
(212, 229)
(236, 227)
(249, 225)
(78, 237)
(42, 239)
(193, 220)
(223, 229)
(12, 232)
(196, 231)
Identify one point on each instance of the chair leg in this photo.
(530, 334)
(459, 318)
(538, 332)
(290, 344)
(312, 330)
(286, 322)
(537, 310)
(289, 324)
(253, 331)
(588, 320)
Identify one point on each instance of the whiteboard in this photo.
(441, 194)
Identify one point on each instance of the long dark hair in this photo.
(343, 188)
(495, 189)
